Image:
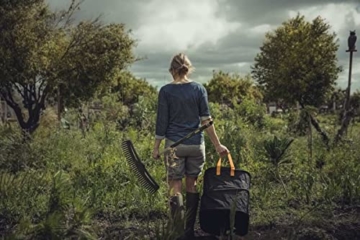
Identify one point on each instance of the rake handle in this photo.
(196, 131)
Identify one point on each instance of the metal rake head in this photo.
(138, 167)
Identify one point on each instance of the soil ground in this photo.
(344, 225)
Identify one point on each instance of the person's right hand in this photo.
(155, 153)
(222, 150)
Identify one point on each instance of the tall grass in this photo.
(64, 185)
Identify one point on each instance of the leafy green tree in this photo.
(135, 95)
(129, 88)
(298, 62)
(43, 53)
(230, 89)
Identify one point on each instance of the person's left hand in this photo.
(155, 153)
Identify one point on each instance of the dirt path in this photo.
(343, 225)
(340, 224)
(322, 231)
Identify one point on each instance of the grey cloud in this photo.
(355, 82)
(222, 57)
(256, 12)
(343, 56)
(343, 34)
(241, 46)
(205, 59)
(118, 11)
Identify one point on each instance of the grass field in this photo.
(62, 185)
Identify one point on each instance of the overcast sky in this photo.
(216, 34)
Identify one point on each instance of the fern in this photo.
(276, 147)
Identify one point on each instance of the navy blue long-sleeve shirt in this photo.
(181, 107)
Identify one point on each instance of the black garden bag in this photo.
(224, 189)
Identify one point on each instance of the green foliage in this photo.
(112, 110)
(99, 53)
(43, 53)
(275, 149)
(129, 89)
(298, 62)
(66, 185)
(141, 114)
(355, 101)
(300, 122)
(230, 89)
(59, 211)
(337, 96)
(73, 181)
(252, 112)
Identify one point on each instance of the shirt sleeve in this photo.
(162, 118)
(204, 105)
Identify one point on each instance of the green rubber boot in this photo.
(192, 203)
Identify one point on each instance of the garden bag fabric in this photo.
(224, 189)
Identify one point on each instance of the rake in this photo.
(140, 171)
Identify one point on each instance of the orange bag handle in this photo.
(232, 167)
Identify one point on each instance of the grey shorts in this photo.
(189, 161)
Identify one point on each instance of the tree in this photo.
(43, 52)
(298, 62)
(225, 88)
(129, 88)
(130, 93)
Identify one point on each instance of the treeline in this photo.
(48, 60)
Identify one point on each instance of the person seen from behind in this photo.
(182, 108)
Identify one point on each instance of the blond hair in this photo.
(181, 65)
